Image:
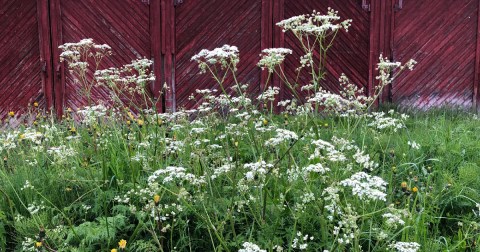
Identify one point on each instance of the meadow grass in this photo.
(211, 182)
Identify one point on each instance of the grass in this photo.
(211, 182)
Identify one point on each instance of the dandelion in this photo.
(114, 250)
(38, 244)
(122, 244)
(415, 189)
(35, 104)
(11, 114)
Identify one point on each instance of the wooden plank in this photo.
(58, 67)
(45, 51)
(168, 24)
(267, 34)
(477, 63)
(156, 52)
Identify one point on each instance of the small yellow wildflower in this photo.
(21, 136)
(35, 104)
(159, 121)
(140, 122)
(11, 114)
(69, 110)
(325, 125)
(122, 243)
(236, 144)
(73, 130)
(35, 123)
(265, 122)
(415, 189)
(404, 184)
(38, 244)
(156, 199)
(128, 122)
(113, 250)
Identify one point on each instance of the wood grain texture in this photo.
(207, 24)
(441, 36)
(20, 63)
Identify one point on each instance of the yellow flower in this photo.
(113, 250)
(156, 198)
(236, 144)
(21, 136)
(122, 243)
(11, 114)
(160, 121)
(415, 189)
(140, 122)
(35, 104)
(38, 244)
(265, 122)
(35, 123)
(325, 125)
(128, 122)
(404, 184)
(69, 110)
(73, 130)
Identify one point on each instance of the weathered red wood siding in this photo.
(442, 35)
(20, 56)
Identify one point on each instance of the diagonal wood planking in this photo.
(206, 24)
(20, 68)
(349, 53)
(444, 48)
(123, 25)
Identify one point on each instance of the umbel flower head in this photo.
(226, 56)
(315, 24)
(272, 57)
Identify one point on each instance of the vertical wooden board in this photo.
(124, 26)
(441, 36)
(349, 53)
(20, 67)
(207, 24)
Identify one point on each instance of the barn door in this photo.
(207, 24)
(130, 27)
(441, 35)
(23, 66)
(350, 51)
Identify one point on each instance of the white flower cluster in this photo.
(383, 122)
(61, 153)
(269, 94)
(394, 217)
(131, 77)
(332, 154)
(315, 24)
(173, 173)
(225, 56)
(301, 241)
(405, 246)
(272, 57)
(414, 145)
(75, 54)
(257, 169)
(364, 160)
(366, 187)
(385, 68)
(251, 247)
(282, 136)
(91, 114)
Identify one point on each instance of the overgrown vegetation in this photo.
(324, 174)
